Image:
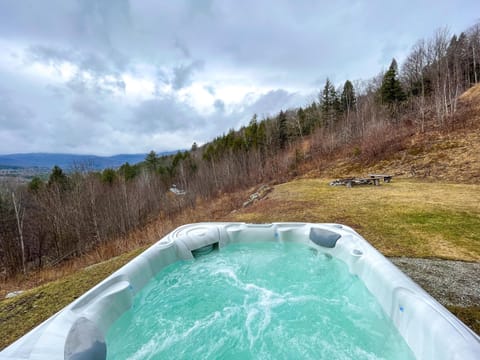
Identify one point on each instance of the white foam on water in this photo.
(256, 302)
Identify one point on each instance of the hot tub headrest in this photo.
(325, 238)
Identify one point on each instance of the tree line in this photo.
(45, 222)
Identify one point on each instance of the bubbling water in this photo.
(256, 301)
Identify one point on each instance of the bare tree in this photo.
(473, 34)
(413, 71)
(20, 215)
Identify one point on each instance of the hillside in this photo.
(435, 155)
(431, 210)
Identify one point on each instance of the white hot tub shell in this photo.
(78, 331)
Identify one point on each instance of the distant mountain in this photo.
(68, 161)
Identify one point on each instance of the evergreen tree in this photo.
(108, 176)
(58, 177)
(210, 152)
(35, 184)
(179, 157)
(329, 103)
(391, 91)
(311, 118)
(152, 161)
(262, 136)
(348, 98)
(302, 122)
(327, 97)
(282, 130)
(251, 137)
(128, 171)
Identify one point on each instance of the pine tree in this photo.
(348, 98)
(302, 122)
(109, 175)
(152, 161)
(35, 184)
(282, 130)
(250, 134)
(262, 137)
(329, 103)
(327, 98)
(128, 171)
(391, 91)
(58, 177)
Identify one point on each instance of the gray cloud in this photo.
(58, 92)
(164, 114)
(14, 116)
(103, 74)
(210, 89)
(50, 55)
(219, 105)
(276, 49)
(99, 86)
(98, 64)
(274, 101)
(104, 23)
(182, 75)
(162, 77)
(94, 63)
(88, 107)
(77, 84)
(180, 45)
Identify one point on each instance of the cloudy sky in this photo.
(118, 76)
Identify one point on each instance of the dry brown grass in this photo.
(433, 156)
(471, 96)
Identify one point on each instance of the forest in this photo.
(44, 223)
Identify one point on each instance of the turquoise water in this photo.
(256, 301)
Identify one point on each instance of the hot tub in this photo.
(80, 330)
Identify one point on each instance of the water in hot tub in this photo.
(260, 300)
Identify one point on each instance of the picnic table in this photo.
(377, 177)
(372, 179)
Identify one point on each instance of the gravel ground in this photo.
(454, 283)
